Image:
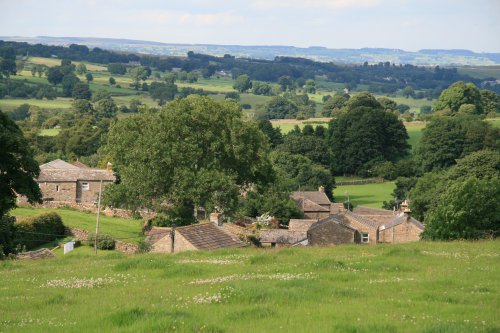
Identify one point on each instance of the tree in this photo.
(232, 95)
(491, 102)
(273, 134)
(286, 83)
(261, 88)
(117, 69)
(54, 75)
(334, 105)
(89, 77)
(81, 69)
(466, 210)
(19, 66)
(387, 104)
(280, 108)
(446, 139)
(408, 92)
(82, 91)
(68, 83)
(195, 152)
(310, 87)
(106, 108)
(112, 81)
(458, 94)
(364, 136)
(242, 83)
(18, 168)
(162, 91)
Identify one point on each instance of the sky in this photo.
(403, 24)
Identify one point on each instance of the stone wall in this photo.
(58, 191)
(401, 233)
(81, 234)
(328, 234)
(372, 232)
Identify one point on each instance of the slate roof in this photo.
(310, 206)
(207, 236)
(157, 233)
(315, 196)
(332, 219)
(400, 219)
(60, 171)
(360, 219)
(301, 224)
(282, 236)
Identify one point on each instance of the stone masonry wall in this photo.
(330, 234)
(81, 234)
(402, 233)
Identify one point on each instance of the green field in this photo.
(126, 229)
(419, 287)
(50, 132)
(58, 103)
(415, 133)
(370, 195)
(480, 72)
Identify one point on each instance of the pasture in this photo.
(418, 287)
(370, 195)
(128, 230)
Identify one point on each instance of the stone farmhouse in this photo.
(75, 182)
(201, 236)
(327, 224)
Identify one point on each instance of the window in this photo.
(85, 186)
(365, 238)
(57, 188)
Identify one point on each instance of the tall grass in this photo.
(420, 287)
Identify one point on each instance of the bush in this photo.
(34, 231)
(104, 242)
(144, 247)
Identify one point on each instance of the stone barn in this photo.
(202, 236)
(72, 183)
(314, 204)
(332, 231)
(401, 229)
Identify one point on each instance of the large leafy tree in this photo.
(446, 139)
(17, 172)
(466, 210)
(195, 152)
(365, 135)
(458, 94)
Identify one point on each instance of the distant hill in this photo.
(317, 53)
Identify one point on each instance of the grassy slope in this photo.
(419, 287)
(371, 195)
(127, 229)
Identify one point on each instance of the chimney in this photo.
(109, 167)
(216, 218)
(406, 210)
(321, 189)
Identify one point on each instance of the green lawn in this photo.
(58, 103)
(419, 287)
(415, 133)
(495, 122)
(50, 132)
(127, 229)
(371, 195)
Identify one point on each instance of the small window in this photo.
(365, 238)
(85, 186)
(57, 188)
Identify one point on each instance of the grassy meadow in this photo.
(128, 230)
(370, 195)
(418, 287)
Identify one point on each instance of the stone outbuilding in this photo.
(72, 183)
(401, 229)
(201, 236)
(332, 231)
(281, 237)
(314, 204)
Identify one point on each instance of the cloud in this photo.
(186, 18)
(313, 4)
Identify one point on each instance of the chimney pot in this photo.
(321, 188)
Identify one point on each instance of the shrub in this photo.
(104, 242)
(37, 230)
(144, 247)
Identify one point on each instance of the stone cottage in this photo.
(72, 183)
(401, 229)
(314, 204)
(332, 231)
(202, 236)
